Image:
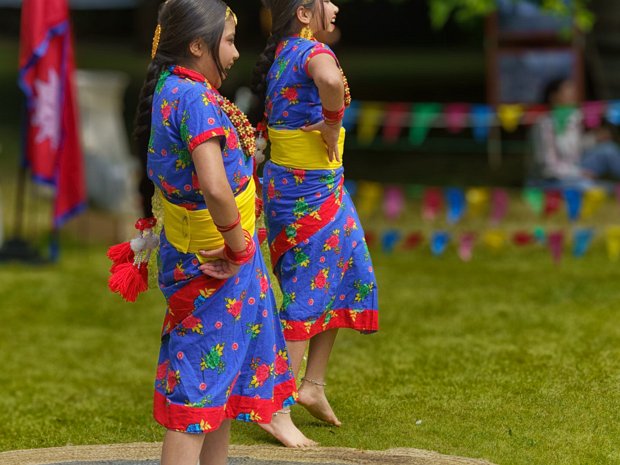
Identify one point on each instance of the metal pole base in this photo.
(18, 250)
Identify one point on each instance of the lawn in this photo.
(508, 358)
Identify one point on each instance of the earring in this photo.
(306, 33)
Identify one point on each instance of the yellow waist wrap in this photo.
(294, 148)
(192, 230)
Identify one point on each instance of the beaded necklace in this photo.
(239, 120)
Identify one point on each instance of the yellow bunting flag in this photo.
(593, 199)
(370, 118)
(494, 239)
(369, 195)
(510, 116)
(613, 243)
(477, 200)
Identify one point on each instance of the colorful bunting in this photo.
(389, 240)
(482, 118)
(582, 239)
(413, 240)
(522, 238)
(368, 197)
(456, 116)
(370, 117)
(396, 114)
(534, 198)
(477, 200)
(573, 198)
(351, 115)
(432, 203)
(439, 242)
(394, 202)
(593, 199)
(466, 246)
(555, 241)
(494, 239)
(592, 114)
(613, 242)
(561, 116)
(456, 204)
(422, 118)
(553, 201)
(510, 116)
(499, 205)
(613, 112)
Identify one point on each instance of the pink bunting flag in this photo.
(556, 245)
(432, 203)
(456, 115)
(499, 205)
(396, 115)
(466, 246)
(393, 202)
(592, 114)
(553, 202)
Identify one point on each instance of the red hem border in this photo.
(202, 420)
(366, 321)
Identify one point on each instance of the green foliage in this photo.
(466, 10)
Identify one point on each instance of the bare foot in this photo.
(284, 430)
(312, 397)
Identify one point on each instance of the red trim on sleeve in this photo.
(205, 136)
(317, 50)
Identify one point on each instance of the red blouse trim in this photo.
(190, 74)
(315, 52)
(205, 136)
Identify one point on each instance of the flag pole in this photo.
(17, 248)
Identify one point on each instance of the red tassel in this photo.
(121, 253)
(128, 280)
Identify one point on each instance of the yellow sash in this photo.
(192, 230)
(294, 148)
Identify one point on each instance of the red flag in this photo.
(46, 66)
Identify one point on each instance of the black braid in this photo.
(259, 77)
(142, 130)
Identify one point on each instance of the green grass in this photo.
(509, 358)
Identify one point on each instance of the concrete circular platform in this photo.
(148, 454)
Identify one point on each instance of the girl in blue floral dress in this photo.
(222, 353)
(317, 245)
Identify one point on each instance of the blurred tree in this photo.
(465, 10)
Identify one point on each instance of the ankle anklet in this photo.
(313, 381)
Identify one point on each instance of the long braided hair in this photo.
(181, 22)
(283, 15)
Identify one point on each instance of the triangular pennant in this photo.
(573, 199)
(582, 239)
(351, 115)
(456, 116)
(467, 241)
(389, 240)
(510, 116)
(432, 203)
(592, 114)
(555, 241)
(456, 204)
(439, 242)
(561, 116)
(393, 202)
(396, 115)
(499, 205)
(370, 117)
(422, 118)
(534, 198)
(482, 118)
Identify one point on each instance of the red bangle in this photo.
(333, 117)
(231, 226)
(243, 256)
